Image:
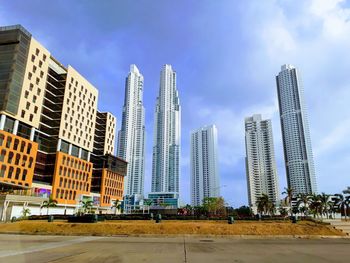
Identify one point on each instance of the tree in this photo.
(289, 192)
(49, 203)
(244, 211)
(25, 212)
(265, 205)
(283, 211)
(325, 204)
(189, 209)
(214, 205)
(86, 206)
(343, 202)
(118, 206)
(315, 205)
(303, 201)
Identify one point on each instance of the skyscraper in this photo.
(131, 137)
(295, 132)
(166, 148)
(260, 160)
(204, 165)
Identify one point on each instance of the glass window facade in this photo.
(14, 46)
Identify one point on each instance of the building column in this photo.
(4, 210)
(70, 149)
(59, 145)
(88, 157)
(32, 133)
(15, 127)
(79, 154)
(2, 121)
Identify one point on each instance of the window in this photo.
(8, 142)
(26, 94)
(35, 109)
(37, 81)
(29, 148)
(27, 106)
(23, 113)
(24, 160)
(18, 158)
(33, 58)
(34, 98)
(31, 86)
(30, 75)
(30, 162)
(38, 92)
(24, 175)
(41, 74)
(18, 171)
(31, 117)
(10, 172)
(23, 144)
(2, 155)
(44, 57)
(2, 171)
(15, 145)
(34, 69)
(37, 51)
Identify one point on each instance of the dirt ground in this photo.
(178, 227)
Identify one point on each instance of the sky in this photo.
(226, 55)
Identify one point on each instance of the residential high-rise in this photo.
(131, 137)
(204, 165)
(53, 142)
(166, 148)
(260, 160)
(295, 132)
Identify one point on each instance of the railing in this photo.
(29, 192)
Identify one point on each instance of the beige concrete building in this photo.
(78, 111)
(34, 83)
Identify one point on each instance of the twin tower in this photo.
(167, 131)
(260, 158)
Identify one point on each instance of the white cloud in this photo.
(315, 37)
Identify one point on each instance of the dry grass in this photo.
(170, 228)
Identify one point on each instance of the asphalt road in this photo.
(26, 248)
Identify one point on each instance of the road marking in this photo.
(47, 246)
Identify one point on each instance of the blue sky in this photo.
(226, 54)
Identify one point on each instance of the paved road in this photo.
(26, 248)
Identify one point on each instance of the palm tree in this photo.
(117, 205)
(343, 202)
(49, 203)
(304, 200)
(325, 204)
(288, 199)
(87, 205)
(315, 205)
(264, 204)
(25, 212)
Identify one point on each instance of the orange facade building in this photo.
(71, 178)
(17, 160)
(53, 140)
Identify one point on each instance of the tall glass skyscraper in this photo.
(204, 165)
(260, 160)
(131, 137)
(295, 132)
(167, 130)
